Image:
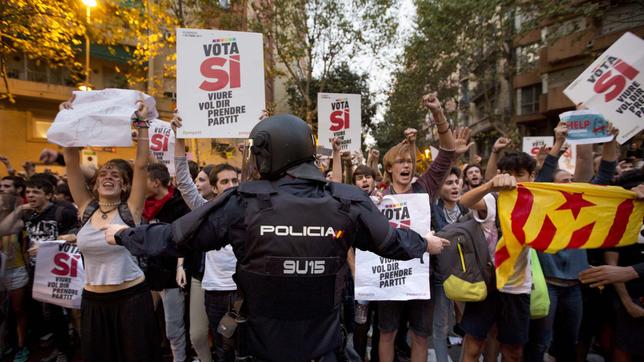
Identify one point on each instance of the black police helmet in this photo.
(279, 143)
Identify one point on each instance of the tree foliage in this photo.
(309, 37)
(453, 40)
(471, 40)
(340, 79)
(44, 30)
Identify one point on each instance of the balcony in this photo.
(557, 100)
(525, 79)
(31, 89)
(569, 47)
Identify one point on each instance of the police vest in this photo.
(292, 270)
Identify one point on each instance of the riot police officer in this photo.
(290, 231)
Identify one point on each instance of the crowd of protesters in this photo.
(596, 296)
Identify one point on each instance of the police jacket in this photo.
(291, 238)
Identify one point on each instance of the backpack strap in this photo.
(89, 211)
(124, 213)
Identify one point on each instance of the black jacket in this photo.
(160, 271)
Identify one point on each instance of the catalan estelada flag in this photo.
(550, 217)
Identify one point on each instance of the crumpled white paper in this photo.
(99, 118)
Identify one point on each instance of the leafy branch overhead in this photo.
(47, 31)
(310, 38)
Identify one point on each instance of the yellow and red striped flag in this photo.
(550, 217)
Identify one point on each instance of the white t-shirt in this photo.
(219, 270)
(520, 282)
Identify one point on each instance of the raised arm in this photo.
(473, 199)
(500, 144)
(550, 164)
(445, 136)
(13, 222)
(185, 184)
(336, 171)
(372, 161)
(608, 163)
(137, 196)
(7, 163)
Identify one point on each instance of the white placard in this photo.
(612, 85)
(585, 127)
(220, 82)
(531, 145)
(99, 118)
(568, 159)
(162, 143)
(60, 276)
(379, 278)
(339, 115)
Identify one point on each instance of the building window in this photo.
(527, 57)
(528, 99)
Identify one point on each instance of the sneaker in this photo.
(6, 350)
(22, 355)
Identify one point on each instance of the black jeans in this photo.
(218, 303)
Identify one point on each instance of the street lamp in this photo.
(89, 4)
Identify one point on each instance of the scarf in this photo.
(153, 206)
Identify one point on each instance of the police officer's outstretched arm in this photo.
(203, 229)
(376, 235)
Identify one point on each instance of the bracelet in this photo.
(141, 124)
(443, 132)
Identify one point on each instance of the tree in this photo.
(454, 39)
(309, 37)
(473, 40)
(340, 79)
(45, 30)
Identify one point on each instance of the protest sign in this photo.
(379, 278)
(531, 145)
(99, 118)
(339, 115)
(612, 86)
(60, 277)
(568, 159)
(162, 143)
(220, 82)
(585, 127)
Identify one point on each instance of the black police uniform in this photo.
(291, 236)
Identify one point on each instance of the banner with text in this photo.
(100, 118)
(585, 127)
(340, 115)
(162, 143)
(531, 145)
(60, 277)
(379, 278)
(220, 82)
(612, 86)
